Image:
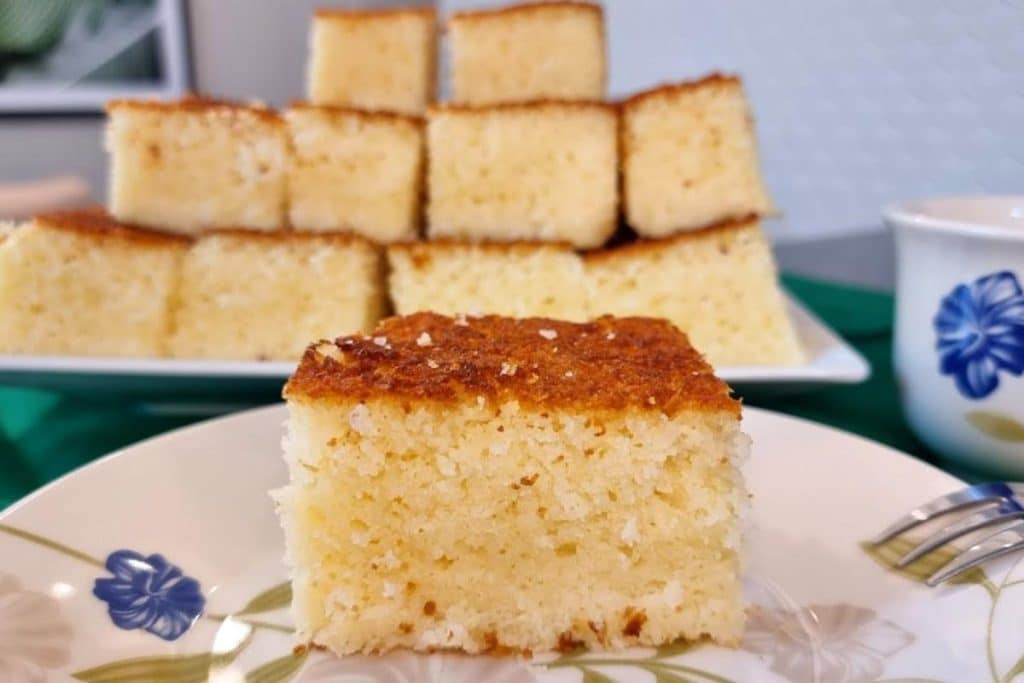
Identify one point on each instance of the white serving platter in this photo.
(216, 386)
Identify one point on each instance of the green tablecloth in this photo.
(43, 434)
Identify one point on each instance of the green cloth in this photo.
(872, 409)
(44, 434)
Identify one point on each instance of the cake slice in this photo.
(719, 285)
(495, 484)
(79, 283)
(189, 165)
(690, 157)
(515, 279)
(533, 51)
(261, 296)
(538, 171)
(374, 59)
(355, 171)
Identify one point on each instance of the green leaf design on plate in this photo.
(593, 676)
(997, 425)
(183, 668)
(889, 553)
(664, 676)
(1016, 670)
(278, 670)
(675, 649)
(271, 599)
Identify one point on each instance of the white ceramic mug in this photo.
(959, 338)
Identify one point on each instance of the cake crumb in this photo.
(548, 334)
(630, 535)
(329, 350)
(570, 374)
(380, 341)
(359, 419)
(424, 339)
(432, 364)
(566, 642)
(388, 561)
(635, 620)
(610, 336)
(508, 369)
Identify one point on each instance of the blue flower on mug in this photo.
(980, 330)
(149, 593)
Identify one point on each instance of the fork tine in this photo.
(989, 516)
(979, 494)
(1002, 542)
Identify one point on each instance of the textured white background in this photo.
(857, 102)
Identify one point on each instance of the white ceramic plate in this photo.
(215, 385)
(102, 571)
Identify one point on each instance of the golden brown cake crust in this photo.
(197, 104)
(610, 364)
(365, 114)
(673, 88)
(341, 13)
(96, 222)
(525, 8)
(422, 253)
(285, 236)
(528, 105)
(640, 246)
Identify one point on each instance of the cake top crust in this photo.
(669, 89)
(197, 104)
(526, 8)
(341, 111)
(291, 236)
(421, 252)
(349, 14)
(523, 106)
(95, 222)
(722, 228)
(610, 364)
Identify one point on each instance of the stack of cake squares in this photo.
(529, 193)
(525, 169)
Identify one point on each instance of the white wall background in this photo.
(857, 102)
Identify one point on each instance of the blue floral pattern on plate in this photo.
(149, 593)
(980, 330)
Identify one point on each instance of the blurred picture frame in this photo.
(71, 56)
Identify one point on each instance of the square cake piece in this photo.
(690, 157)
(533, 51)
(260, 296)
(539, 171)
(496, 484)
(374, 59)
(78, 283)
(519, 279)
(196, 164)
(719, 285)
(355, 171)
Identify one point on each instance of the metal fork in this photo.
(997, 506)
